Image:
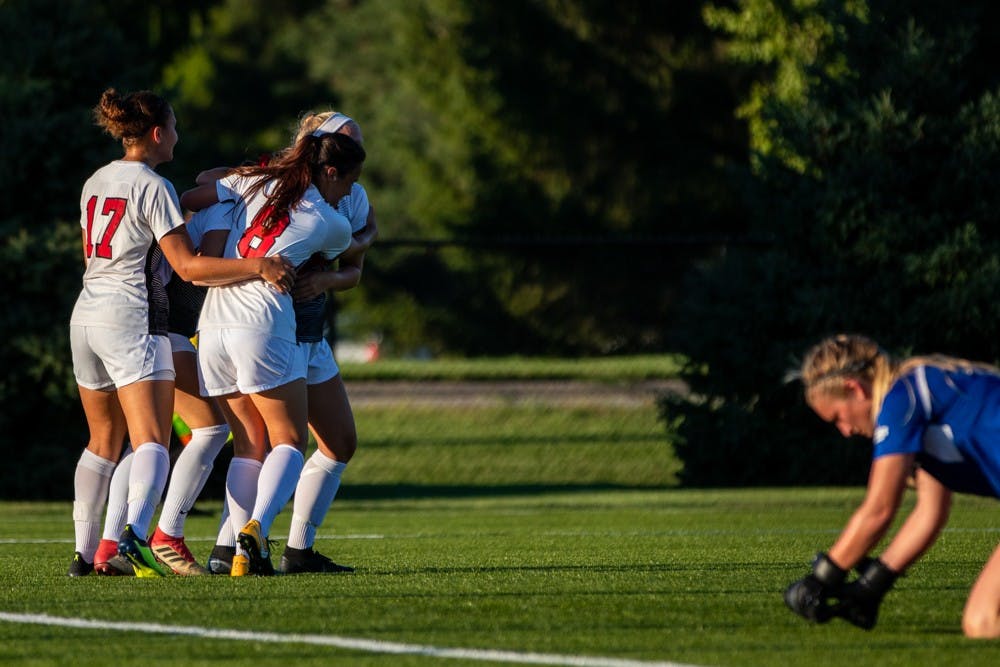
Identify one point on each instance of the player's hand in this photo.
(860, 599)
(308, 285)
(810, 597)
(278, 271)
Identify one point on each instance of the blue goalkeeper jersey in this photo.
(951, 420)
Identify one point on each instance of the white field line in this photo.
(351, 643)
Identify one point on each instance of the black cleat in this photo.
(220, 561)
(298, 561)
(80, 567)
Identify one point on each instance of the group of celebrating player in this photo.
(247, 273)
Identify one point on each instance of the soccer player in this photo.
(934, 417)
(131, 219)
(247, 333)
(330, 418)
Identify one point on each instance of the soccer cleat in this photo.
(257, 548)
(116, 566)
(138, 553)
(79, 567)
(173, 552)
(108, 563)
(220, 561)
(297, 561)
(240, 566)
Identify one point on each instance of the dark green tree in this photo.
(872, 178)
(530, 123)
(58, 56)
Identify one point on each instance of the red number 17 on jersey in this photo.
(113, 207)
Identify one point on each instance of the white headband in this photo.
(331, 124)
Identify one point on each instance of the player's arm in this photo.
(213, 244)
(860, 599)
(199, 197)
(194, 268)
(922, 526)
(343, 273)
(212, 175)
(869, 523)
(84, 248)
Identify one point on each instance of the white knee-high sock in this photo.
(317, 487)
(241, 491)
(150, 467)
(117, 512)
(227, 536)
(278, 478)
(90, 489)
(191, 471)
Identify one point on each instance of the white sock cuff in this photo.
(154, 448)
(299, 455)
(246, 463)
(323, 461)
(215, 429)
(99, 464)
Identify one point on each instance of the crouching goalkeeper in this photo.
(935, 418)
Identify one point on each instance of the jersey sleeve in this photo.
(333, 245)
(900, 425)
(230, 188)
(356, 208)
(160, 207)
(214, 218)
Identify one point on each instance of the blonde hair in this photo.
(310, 121)
(851, 356)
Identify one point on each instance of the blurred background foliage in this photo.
(727, 181)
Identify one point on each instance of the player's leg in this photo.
(92, 478)
(148, 408)
(192, 467)
(981, 618)
(250, 445)
(108, 561)
(284, 410)
(332, 425)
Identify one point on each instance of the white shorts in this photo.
(322, 365)
(105, 358)
(181, 343)
(244, 361)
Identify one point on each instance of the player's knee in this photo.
(340, 448)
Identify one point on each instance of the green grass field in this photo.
(506, 534)
(669, 576)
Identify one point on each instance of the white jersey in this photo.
(214, 218)
(186, 299)
(126, 208)
(312, 226)
(355, 207)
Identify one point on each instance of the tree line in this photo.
(858, 140)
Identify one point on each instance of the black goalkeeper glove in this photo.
(860, 599)
(809, 597)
